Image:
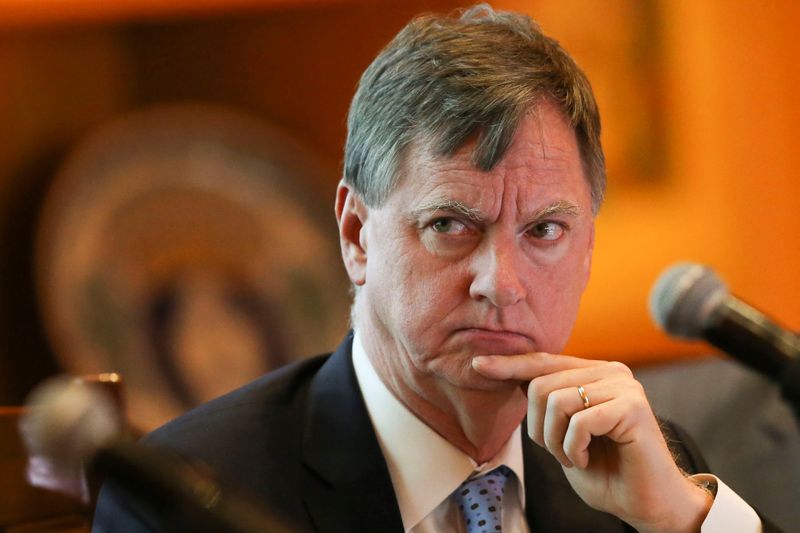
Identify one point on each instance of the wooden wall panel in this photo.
(56, 85)
(294, 64)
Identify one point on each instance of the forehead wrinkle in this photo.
(548, 157)
(453, 206)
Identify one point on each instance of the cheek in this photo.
(427, 294)
(399, 277)
(418, 295)
(556, 311)
(556, 292)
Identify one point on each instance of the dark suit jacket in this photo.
(300, 439)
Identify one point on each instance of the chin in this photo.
(480, 383)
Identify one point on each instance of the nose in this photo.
(497, 272)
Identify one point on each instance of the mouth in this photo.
(487, 341)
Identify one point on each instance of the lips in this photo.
(486, 341)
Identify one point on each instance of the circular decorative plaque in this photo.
(185, 247)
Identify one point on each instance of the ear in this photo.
(587, 261)
(351, 215)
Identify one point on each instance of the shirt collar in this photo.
(413, 451)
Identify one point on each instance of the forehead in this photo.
(541, 164)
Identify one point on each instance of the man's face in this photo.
(458, 262)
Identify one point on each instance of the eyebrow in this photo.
(561, 207)
(453, 206)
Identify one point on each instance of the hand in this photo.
(613, 452)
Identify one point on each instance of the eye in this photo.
(547, 231)
(447, 226)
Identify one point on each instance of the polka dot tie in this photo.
(480, 500)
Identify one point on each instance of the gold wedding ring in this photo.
(584, 397)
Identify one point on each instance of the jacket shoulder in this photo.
(250, 439)
(263, 411)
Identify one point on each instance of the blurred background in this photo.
(168, 168)
(113, 214)
(701, 128)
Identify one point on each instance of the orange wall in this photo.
(724, 77)
(731, 196)
(27, 13)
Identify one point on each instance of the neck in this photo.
(478, 422)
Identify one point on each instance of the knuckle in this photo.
(552, 443)
(620, 368)
(628, 387)
(635, 390)
(635, 411)
(555, 403)
(579, 421)
(637, 387)
(537, 389)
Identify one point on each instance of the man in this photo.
(473, 172)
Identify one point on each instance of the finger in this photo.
(562, 406)
(583, 427)
(556, 395)
(524, 367)
(616, 419)
(540, 388)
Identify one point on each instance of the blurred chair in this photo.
(27, 508)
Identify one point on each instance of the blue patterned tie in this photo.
(480, 500)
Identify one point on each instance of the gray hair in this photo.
(443, 80)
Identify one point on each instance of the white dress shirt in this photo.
(425, 468)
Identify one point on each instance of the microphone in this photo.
(70, 424)
(690, 301)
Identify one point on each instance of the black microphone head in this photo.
(684, 297)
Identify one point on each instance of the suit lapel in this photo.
(347, 485)
(551, 505)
